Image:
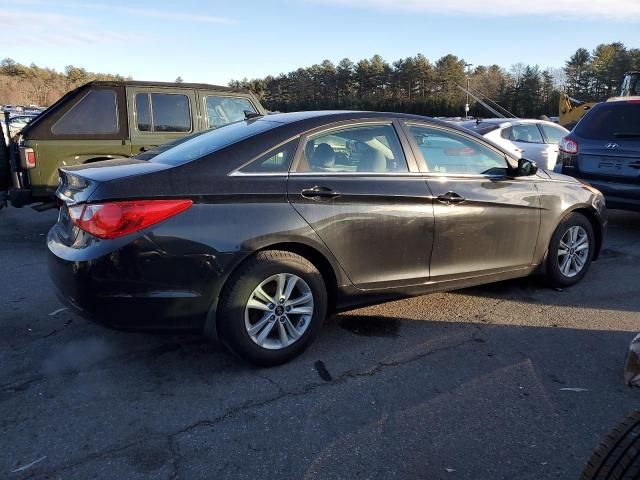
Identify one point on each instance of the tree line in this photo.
(413, 84)
(34, 85)
(417, 85)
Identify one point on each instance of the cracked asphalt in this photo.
(464, 385)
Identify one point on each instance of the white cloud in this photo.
(147, 12)
(618, 10)
(159, 12)
(50, 29)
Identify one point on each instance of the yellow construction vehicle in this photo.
(572, 110)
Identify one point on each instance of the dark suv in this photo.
(604, 150)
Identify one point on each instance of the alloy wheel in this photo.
(279, 311)
(573, 251)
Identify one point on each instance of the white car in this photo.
(16, 123)
(535, 140)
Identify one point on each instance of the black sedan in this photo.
(254, 232)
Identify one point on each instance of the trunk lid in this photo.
(76, 184)
(618, 158)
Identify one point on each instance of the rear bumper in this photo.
(618, 195)
(20, 197)
(134, 287)
(617, 192)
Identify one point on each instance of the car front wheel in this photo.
(570, 251)
(273, 308)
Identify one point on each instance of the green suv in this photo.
(106, 120)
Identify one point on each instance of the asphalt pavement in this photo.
(506, 381)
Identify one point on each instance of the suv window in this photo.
(95, 114)
(554, 134)
(528, 133)
(449, 152)
(275, 161)
(372, 148)
(163, 112)
(224, 110)
(608, 121)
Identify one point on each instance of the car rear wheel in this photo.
(570, 251)
(273, 308)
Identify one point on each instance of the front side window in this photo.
(449, 152)
(274, 161)
(163, 112)
(224, 110)
(528, 133)
(95, 114)
(361, 149)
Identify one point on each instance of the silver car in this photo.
(535, 140)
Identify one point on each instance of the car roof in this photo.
(328, 116)
(140, 83)
(503, 122)
(634, 99)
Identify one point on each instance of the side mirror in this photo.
(526, 168)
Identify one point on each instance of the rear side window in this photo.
(213, 140)
(275, 161)
(95, 114)
(608, 121)
(224, 110)
(163, 112)
(526, 134)
(553, 133)
(361, 149)
(143, 112)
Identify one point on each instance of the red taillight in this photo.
(27, 157)
(116, 219)
(568, 146)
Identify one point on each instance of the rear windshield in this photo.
(213, 140)
(479, 128)
(608, 121)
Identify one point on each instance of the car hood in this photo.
(560, 177)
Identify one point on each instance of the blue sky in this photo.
(215, 41)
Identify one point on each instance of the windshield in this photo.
(210, 141)
(607, 121)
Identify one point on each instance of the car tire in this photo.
(250, 306)
(567, 262)
(618, 455)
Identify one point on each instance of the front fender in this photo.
(559, 199)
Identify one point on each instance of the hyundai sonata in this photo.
(254, 232)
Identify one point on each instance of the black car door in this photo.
(485, 221)
(358, 187)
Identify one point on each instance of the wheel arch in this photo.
(314, 255)
(594, 219)
(596, 223)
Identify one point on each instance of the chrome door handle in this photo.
(450, 197)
